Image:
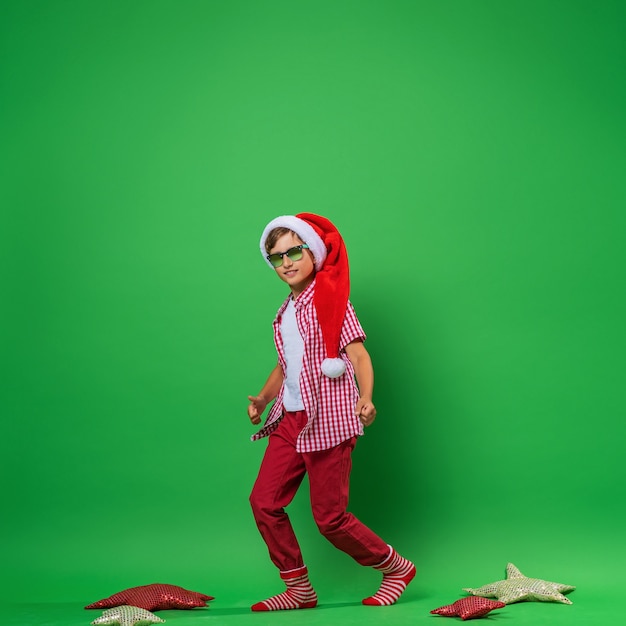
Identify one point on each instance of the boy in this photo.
(318, 414)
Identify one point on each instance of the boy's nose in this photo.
(287, 262)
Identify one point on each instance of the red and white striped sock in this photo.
(299, 595)
(397, 572)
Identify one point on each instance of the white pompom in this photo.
(333, 368)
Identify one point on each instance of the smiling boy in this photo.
(318, 414)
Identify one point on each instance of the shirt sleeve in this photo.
(351, 329)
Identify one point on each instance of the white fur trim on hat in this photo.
(304, 230)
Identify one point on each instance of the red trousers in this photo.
(280, 476)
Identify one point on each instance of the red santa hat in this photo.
(332, 278)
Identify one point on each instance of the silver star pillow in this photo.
(518, 587)
(127, 615)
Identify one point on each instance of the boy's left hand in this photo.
(365, 411)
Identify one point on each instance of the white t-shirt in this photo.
(293, 345)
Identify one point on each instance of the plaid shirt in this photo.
(329, 402)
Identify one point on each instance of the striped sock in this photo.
(397, 572)
(299, 595)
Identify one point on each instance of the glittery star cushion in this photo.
(518, 587)
(154, 597)
(469, 608)
(127, 616)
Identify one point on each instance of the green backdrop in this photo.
(472, 154)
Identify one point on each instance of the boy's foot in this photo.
(397, 572)
(299, 595)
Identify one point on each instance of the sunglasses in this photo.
(293, 254)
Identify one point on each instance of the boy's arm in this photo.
(364, 372)
(270, 390)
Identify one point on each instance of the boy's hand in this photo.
(365, 411)
(255, 408)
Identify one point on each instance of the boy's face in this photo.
(297, 274)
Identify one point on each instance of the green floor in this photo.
(591, 606)
(414, 609)
(448, 559)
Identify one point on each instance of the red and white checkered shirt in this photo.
(329, 402)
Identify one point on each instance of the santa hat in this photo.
(332, 278)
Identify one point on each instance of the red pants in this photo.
(280, 476)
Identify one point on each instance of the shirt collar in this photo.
(300, 302)
(305, 297)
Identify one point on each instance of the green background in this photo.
(473, 156)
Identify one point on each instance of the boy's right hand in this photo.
(255, 408)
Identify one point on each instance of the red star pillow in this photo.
(154, 597)
(469, 608)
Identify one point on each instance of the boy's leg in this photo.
(329, 478)
(279, 478)
(280, 475)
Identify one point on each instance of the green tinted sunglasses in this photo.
(293, 254)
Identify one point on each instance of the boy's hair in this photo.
(275, 234)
